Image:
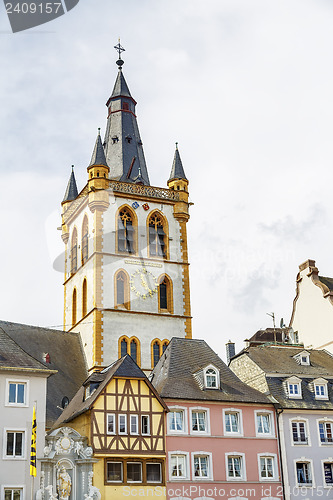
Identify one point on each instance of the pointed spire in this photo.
(98, 156)
(71, 191)
(120, 87)
(177, 171)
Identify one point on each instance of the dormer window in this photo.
(303, 358)
(320, 388)
(90, 389)
(294, 388)
(211, 378)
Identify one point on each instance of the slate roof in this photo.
(120, 87)
(123, 367)
(267, 335)
(176, 375)
(272, 359)
(327, 281)
(177, 170)
(71, 190)
(98, 156)
(278, 388)
(66, 356)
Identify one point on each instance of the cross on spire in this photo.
(119, 48)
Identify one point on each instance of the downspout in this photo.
(278, 413)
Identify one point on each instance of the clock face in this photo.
(143, 283)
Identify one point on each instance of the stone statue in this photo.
(64, 484)
(52, 496)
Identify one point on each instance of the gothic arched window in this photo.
(84, 297)
(74, 252)
(122, 289)
(84, 242)
(134, 350)
(157, 236)
(156, 353)
(125, 231)
(165, 298)
(123, 347)
(74, 307)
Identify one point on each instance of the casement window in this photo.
(328, 473)
(232, 422)
(266, 468)
(264, 424)
(134, 424)
(129, 471)
(157, 236)
(125, 231)
(176, 421)
(122, 424)
(294, 390)
(14, 444)
(111, 423)
(303, 473)
(178, 466)
(201, 466)
(13, 494)
(199, 421)
(145, 430)
(299, 433)
(235, 467)
(211, 378)
(320, 391)
(17, 393)
(134, 472)
(326, 432)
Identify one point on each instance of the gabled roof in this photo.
(66, 357)
(71, 190)
(98, 156)
(177, 170)
(280, 360)
(174, 375)
(124, 367)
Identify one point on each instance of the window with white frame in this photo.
(153, 472)
(134, 424)
(111, 423)
(122, 424)
(299, 432)
(178, 466)
(320, 389)
(211, 378)
(176, 420)
(235, 466)
(13, 493)
(201, 466)
(17, 393)
(326, 432)
(134, 472)
(264, 423)
(294, 389)
(232, 422)
(328, 473)
(199, 421)
(14, 444)
(266, 468)
(145, 429)
(303, 473)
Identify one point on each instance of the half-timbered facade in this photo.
(123, 417)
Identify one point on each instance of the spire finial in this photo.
(119, 49)
(72, 168)
(99, 130)
(176, 145)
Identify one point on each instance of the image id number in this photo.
(33, 8)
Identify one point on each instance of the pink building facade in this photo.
(221, 438)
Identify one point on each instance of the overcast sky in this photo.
(246, 90)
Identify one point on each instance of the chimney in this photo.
(230, 348)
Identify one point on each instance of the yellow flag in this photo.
(33, 464)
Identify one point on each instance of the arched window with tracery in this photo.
(84, 297)
(84, 242)
(157, 349)
(157, 236)
(74, 307)
(164, 346)
(74, 252)
(125, 231)
(122, 298)
(165, 294)
(123, 347)
(156, 353)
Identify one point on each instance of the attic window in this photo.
(303, 358)
(211, 378)
(320, 388)
(90, 389)
(115, 139)
(294, 388)
(128, 139)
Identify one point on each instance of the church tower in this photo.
(126, 287)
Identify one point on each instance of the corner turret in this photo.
(178, 182)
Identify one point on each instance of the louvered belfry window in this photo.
(157, 236)
(125, 231)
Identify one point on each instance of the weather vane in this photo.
(119, 48)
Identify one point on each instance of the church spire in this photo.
(177, 171)
(98, 156)
(122, 143)
(71, 190)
